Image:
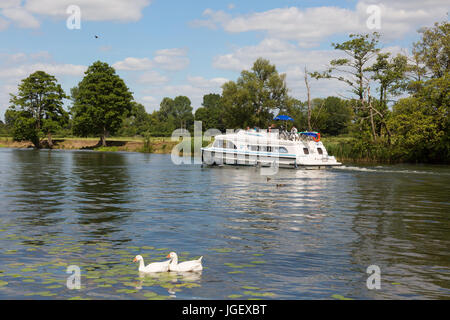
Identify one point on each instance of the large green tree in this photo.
(359, 50)
(137, 122)
(211, 112)
(354, 70)
(433, 50)
(421, 123)
(255, 96)
(100, 102)
(178, 111)
(37, 109)
(331, 116)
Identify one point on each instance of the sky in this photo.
(166, 48)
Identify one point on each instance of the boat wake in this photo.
(381, 169)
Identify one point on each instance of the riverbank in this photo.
(156, 144)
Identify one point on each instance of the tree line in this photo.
(397, 108)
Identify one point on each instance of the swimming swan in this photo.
(187, 266)
(152, 267)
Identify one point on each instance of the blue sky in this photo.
(169, 48)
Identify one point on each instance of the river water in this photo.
(301, 235)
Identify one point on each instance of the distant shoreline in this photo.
(158, 144)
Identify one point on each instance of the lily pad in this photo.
(258, 262)
(250, 288)
(126, 291)
(340, 297)
(79, 298)
(222, 250)
(232, 265)
(55, 286)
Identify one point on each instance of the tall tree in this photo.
(211, 112)
(433, 50)
(37, 109)
(353, 70)
(178, 110)
(255, 96)
(101, 100)
(137, 122)
(331, 116)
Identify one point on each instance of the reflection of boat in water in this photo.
(262, 148)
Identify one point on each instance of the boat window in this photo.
(269, 149)
(262, 148)
(283, 150)
(319, 150)
(305, 151)
(254, 148)
(218, 144)
(229, 145)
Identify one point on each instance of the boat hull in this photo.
(214, 158)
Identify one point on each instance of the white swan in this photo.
(152, 267)
(187, 266)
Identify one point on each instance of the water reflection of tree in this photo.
(401, 223)
(102, 186)
(37, 186)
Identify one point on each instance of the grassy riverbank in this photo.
(130, 144)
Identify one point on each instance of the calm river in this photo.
(313, 237)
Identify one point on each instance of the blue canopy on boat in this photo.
(284, 118)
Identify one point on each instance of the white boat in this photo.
(262, 148)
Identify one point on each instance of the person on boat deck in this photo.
(294, 133)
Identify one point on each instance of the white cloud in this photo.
(91, 10)
(279, 52)
(133, 64)
(149, 99)
(4, 24)
(24, 13)
(172, 59)
(21, 17)
(10, 3)
(21, 71)
(201, 82)
(167, 59)
(215, 18)
(153, 78)
(309, 26)
(172, 52)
